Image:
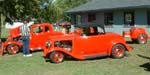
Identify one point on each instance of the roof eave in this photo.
(107, 9)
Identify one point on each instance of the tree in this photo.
(64, 5)
(20, 8)
(49, 10)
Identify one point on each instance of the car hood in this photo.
(63, 37)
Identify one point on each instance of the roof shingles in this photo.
(109, 4)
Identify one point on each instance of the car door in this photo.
(102, 43)
(87, 45)
(37, 37)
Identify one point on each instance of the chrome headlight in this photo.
(48, 44)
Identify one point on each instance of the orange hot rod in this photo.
(137, 35)
(86, 42)
(39, 33)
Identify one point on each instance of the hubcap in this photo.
(142, 39)
(118, 51)
(13, 49)
(58, 57)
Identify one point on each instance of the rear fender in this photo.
(135, 32)
(111, 44)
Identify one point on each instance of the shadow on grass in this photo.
(129, 42)
(36, 51)
(69, 58)
(143, 56)
(146, 66)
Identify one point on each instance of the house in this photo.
(123, 13)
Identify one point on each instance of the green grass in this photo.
(36, 65)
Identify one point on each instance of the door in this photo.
(108, 18)
(129, 18)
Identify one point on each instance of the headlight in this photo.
(48, 44)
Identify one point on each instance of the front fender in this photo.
(6, 43)
(65, 51)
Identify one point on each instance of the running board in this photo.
(95, 56)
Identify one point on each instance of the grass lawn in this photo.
(135, 63)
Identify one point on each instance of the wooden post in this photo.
(1, 22)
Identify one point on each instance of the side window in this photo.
(100, 30)
(47, 29)
(37, 30)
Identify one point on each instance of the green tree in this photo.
(64, 5)
(48, 10)
(21, 8)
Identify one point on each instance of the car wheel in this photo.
(118, 51)
(142, 39)
(56, 57)
(12, 49)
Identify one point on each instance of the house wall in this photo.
(118, 17)
(119, 29)
(84, 18)
(140, 17)
(100, 18)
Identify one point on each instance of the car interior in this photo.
(89, 31)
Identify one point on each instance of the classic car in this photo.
(86, 42)
(39, 33)
(137, 35)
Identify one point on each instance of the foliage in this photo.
(49, 10)
(20, 8)
(64, 5)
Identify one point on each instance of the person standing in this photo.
(25, 33)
